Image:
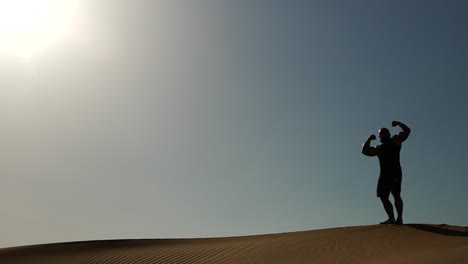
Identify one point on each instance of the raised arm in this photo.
(367, 149)
(403, 135)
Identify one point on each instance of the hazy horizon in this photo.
(179, 119)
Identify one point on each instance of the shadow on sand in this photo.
(441, 230)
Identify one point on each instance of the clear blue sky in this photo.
(225, 118)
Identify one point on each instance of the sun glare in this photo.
(27, 26)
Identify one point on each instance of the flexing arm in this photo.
(403, 135)
(367, 149)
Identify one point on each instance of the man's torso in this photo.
(389, 158)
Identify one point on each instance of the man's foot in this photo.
(399, 221)
(388, 222)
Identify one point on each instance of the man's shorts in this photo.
(388, 185)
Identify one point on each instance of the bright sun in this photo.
(27, 26)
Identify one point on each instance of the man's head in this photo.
(384, 134)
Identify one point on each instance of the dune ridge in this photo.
(412, 243)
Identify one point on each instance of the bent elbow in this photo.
(408, 132)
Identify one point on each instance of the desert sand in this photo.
(411, 243)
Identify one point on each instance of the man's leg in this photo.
(388, 207)
(396, 190)
(399, 206)
(383, 192)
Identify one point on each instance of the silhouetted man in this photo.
(390, 170)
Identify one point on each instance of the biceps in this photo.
(371, 152)
(402, 136)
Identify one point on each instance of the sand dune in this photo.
(413, 243)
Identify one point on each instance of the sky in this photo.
(203, 118)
